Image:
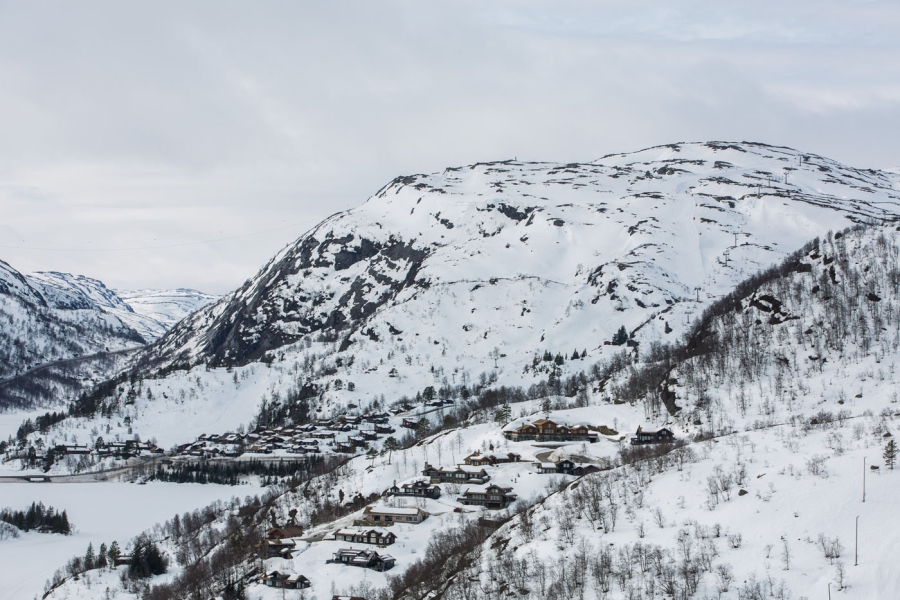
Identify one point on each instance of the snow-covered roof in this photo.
(386, 510)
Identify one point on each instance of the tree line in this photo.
(37, 517)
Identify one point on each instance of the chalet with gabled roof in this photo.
(477, 459)
(367, 559)
(566, 467)
(278, 548)
(420, 489)
(492, 497)
(375, 537)
(662, 436)
(385, 515)
(286, 580)
(285, 531)
(459, 474)
(545, 430)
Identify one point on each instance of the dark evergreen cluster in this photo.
(41, 423)
(44, 519)
(147, 560)
(90, 403)
(230, 473)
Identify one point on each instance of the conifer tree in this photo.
(890, 453)
(89, 557)
(114, 552)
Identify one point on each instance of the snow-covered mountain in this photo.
(490, 264)
(45, 322)
(149, 312)
(472, 275)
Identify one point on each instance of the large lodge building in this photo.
(545, 430)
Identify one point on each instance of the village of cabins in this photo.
(372, 528)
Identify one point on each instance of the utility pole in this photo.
(856, 544)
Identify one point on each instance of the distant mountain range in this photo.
(51, 318)
(149, 312)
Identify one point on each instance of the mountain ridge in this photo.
(348, 277)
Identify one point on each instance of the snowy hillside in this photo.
(522, 256)
(441, 279)
(472, 275)
(784, 388)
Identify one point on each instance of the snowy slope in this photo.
(467, 275)
(63, 290)
(792, 390)
(784, 388)
(520, 252)
(439, 276)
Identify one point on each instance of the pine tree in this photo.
(101, 561)
(114, 553)
(503, 414)
(621, 336)
(157, 563)
(390, 446)
(89, 557)
(890, 453)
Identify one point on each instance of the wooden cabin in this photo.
(662, 436)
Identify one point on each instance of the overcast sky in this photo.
(181, 144)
